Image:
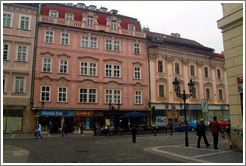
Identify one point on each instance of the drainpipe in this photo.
(33, 66)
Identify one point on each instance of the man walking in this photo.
(201, 132)
(64, 129)
(38, 130)
(215, 129)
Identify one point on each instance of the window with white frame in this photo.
(5, 51)
(87, 95)
(112, 44)
(131, 27)
(112, 70)
(160, 66)
(25, 22)
(219, 74)
(90, 20)
(136, 48)
(63, 66)
(192, 70)
(47, 65)
(7, 20)
(137, 72)
(62, 94)
(116, 45)
(69, 16)
(53, 13)
(108, 44)
(221, 96)
(19, 84)
(206, 74)
(177, 68)
(84, 41)
(161, 91)
(49, 36)
(88, 66)
(116, 71)
(138, 97)
(208, 93)
(45, 93)
(21, 53)
(113, 25)
(93, 42)
(65, 38)
(113, 96)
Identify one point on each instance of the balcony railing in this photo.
(79, 24)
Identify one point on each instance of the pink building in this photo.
(86, 59)
(19, 26)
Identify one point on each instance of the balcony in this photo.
(80, 24)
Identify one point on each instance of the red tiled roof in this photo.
(62, 9)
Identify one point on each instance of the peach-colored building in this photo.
(19, 26)
(171, 56)
(86, 58)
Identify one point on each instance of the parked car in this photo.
(192, 124)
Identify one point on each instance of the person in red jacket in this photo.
(215, 129)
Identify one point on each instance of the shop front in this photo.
(12, 120)
(84, 119)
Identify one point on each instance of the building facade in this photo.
(232, 30)
(86, 59)
(170, 57)
(19, 29)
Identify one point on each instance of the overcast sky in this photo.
(194, 20)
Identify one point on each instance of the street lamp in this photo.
(184, 96)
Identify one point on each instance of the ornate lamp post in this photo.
(184, 96)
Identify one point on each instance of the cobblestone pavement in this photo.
(115, 149)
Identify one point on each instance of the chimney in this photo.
(177, 35)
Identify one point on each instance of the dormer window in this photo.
(113, 25)
(103, 9)
(69, 4)
(90, 20)
(131, 27)
(69, 16)
(92, 7)
(53, 13)
(81, 5)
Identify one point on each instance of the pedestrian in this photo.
(64, 126)
(201, 132)
(81, 127)
(228, 132)
(215, 129)
(38, 130)
(134, 132)
(50, 127)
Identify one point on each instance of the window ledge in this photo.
(23, 29)
(18, 93)
(7, 27)
(6, 60)
(62, 102)
(86, 103)
(137, 79)
(87, 75)
(21, 61)
(63, 73)
(46, 72)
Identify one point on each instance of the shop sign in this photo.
(240, 79)
(56, 113)
(84, 113)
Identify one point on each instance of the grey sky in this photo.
(195, 20)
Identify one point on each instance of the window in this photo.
(46, 65)
(137, 72)
(65, 38)
(194, 93)
(131, 27)
(84, 41)
(69, 16)
(63, 66)
(7, 20)
(112, 71)
(112, 95)
(49, 36)
(19, 84)
(136, 48)
(5, 51)
(88, 95)
(21, 53)
(93, 42)
(116, 45)
(62, 94)
(161, 91)
(221, 94)
(206, 72)
(219, 73)
(160, 66)
(53, 13)
(108, 44)
(177, 71)
(207, 93)
(113, 25)
(138, 97)
(4, 83)
(192, 70)
(88, 66)
(25, 22)
(90, 20)
(45, 93)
